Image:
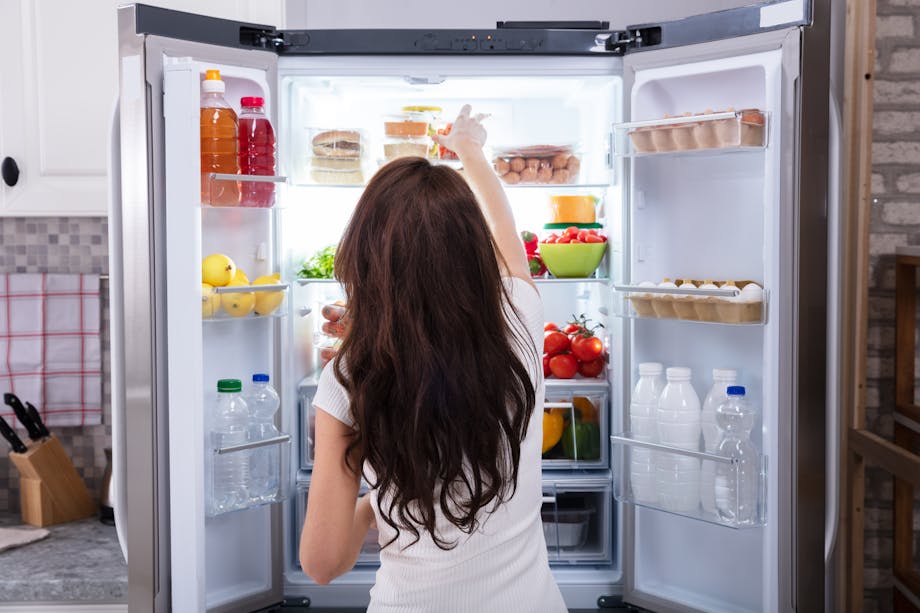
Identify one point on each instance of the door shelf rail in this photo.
(215, 455)
(236, 191)
(635, 471)
(252, 302)
(249, 289)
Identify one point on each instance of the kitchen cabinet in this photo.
(59, 85)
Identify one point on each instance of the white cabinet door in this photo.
(58, 84)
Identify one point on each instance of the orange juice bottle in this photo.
(218, 143)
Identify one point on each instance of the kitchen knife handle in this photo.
(11, 437)
(22, 415)
(37, 420)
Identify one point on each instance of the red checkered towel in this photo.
(50, 352)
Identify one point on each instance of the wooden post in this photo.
(859, 66)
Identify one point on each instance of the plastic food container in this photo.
(335, 155)
(404, 147)
(406, 125)
(566, 529)
(572, 209)
(433, 116)
(707, 130)
(537, 164)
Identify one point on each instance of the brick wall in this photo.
(895, 222)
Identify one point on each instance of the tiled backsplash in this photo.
(62, 245)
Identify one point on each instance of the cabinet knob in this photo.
(9, 170)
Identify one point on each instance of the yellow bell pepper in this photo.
(552, 429)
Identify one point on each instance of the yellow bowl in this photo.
(571, 260)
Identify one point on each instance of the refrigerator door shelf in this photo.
(629, 488)
(283, 444)
(718, 306)
(709, 133)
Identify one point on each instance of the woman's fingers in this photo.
(480, 116)
(333, 312)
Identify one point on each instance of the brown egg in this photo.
(517, 164)
(546, 162)
(544, 175)
(502, 166)
(559, 160)
(533, 163)
(512, 178)
(529, 175)
(560, 176)
(573, 165)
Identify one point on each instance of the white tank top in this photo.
(503, 565)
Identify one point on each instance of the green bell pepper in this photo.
(581, 441)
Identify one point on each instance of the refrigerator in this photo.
(740, 199)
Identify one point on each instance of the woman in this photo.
(436, 394)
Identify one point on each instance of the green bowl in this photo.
(571, 260)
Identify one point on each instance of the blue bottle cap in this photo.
(735, 390)
(260, 378)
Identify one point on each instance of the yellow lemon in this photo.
(238, 304)
(217, 269)
(267, 302)
(210, 301)
(239, 275)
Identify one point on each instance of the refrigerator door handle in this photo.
(116, 336)
(832, 504)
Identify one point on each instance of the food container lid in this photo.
(422, 109)
(580, 226)
(533, 151)
(420, 140)
(407, 116)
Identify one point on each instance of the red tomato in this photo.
(573, 328)
(555, 342)
(582, 234)
(564, 239)
(563, 366)
(590, 369)
(550, 240)
(549, 326)
(587, 348)
(546, 370)
(592, 231)
(576, 241)
(593, 238)
(603, 238)
(572, 231)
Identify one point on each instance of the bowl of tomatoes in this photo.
(575, 252)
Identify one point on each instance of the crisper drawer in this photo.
(575, 422)
(370, 551)
(578, 521)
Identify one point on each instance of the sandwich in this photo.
(337, 144)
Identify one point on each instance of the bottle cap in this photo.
(724, 374)
(212, 82)
(229, 385)
(735, 390)
(260, 377)
(679, 373)
(650, 368)
(252, 101)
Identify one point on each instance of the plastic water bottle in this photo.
(722, 378)
(677, 477)
(229, 471)
(257, 152)
(264, 462)
(736, 487)
(643, 407)
(219, 147)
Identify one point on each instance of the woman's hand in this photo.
(467, 134)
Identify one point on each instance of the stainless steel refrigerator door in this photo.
(165, 508)
(792, 548)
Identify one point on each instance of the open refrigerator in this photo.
(710, 195)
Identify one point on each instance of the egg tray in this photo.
(746, 129)
(698, 308)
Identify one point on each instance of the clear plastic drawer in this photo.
(578, 521)
(575, 421)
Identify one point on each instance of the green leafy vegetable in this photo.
(320, 266)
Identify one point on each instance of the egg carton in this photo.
(714, 309)
(709, 130)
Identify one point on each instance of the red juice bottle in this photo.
(257, 153)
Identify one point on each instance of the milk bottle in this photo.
(722, 378)
(643, 408)
(677, 477)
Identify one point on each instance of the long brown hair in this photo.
(440, 400)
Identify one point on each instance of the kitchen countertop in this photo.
(78, 561)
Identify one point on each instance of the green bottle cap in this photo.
(229, 385)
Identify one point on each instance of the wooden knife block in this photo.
(51, 490)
